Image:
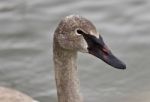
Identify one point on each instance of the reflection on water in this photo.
(26, 31)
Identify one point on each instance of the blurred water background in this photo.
(26, 32)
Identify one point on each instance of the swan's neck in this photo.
(67, 82)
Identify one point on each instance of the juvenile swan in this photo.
(73, 34)
(10, 95)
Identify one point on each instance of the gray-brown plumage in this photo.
(11, 95)
(73, 34)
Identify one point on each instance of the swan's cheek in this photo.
(76, 43)
(83, 46)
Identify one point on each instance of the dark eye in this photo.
(79, 31)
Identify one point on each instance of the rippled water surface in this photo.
(26, 31)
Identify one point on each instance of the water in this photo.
(26, 31)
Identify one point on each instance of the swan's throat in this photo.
(66, 74)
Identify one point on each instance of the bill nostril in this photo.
(105, 51)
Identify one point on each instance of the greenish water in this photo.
(26, 32)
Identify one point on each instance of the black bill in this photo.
(97, 47)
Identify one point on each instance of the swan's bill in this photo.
(98, 48)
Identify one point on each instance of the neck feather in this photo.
(67, 82)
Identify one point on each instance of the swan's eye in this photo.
(79, 32)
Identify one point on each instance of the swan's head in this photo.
(79, 34)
